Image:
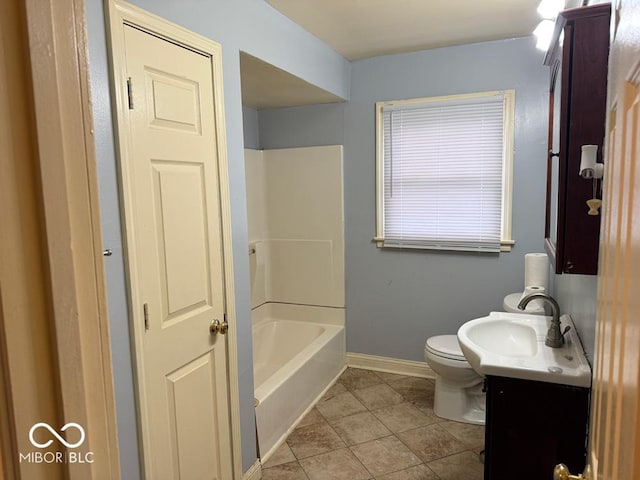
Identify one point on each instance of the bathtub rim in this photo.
(332, 319)
(266, 388)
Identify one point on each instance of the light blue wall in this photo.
(396, 299)
(250, 127)
(256, 28)
(112, 238)
(308, 126)
(577, 295)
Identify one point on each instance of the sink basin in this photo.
(504, 337)
(512, 345)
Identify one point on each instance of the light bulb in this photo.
(544, 32)
(550, 8)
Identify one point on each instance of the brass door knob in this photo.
(561, 472)
(224, 328)
(216, 327)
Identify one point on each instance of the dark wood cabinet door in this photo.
(533, 426)
(577, 101)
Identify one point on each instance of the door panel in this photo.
(179, 197)
(173, 217)
(174, 102)
(192, 388)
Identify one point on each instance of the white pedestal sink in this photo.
(512, 345)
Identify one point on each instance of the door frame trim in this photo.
(68, 335)
(122, 13)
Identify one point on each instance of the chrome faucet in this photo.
(555, 338)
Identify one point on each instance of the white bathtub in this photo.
(298, 351)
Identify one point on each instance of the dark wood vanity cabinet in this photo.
(577, 59)
(532, 426)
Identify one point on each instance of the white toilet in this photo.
(458, 394)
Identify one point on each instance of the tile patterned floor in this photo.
(378, 426)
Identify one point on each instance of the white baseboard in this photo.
(254, 472)
(390, 365)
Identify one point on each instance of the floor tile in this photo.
(311, 418)
(426, 407)
(391, 377)
(340, 405)
(414, 389)
(286, 471)
(431, 442)
(403, 416)
(313, 440)
(354, 378)
(378, 396)
(335, 389)
(471, 435)
(426, 401)
(359, 428)
(376, 424)
(477, 450)
(455, 467)
(385, 455)
(282, 455)
(336, 465)
(419, 472)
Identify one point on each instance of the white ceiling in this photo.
(366, 28)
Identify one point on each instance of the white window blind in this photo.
(443, 179)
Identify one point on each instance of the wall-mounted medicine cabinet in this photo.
(577, 59)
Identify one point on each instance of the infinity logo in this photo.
(55, 434)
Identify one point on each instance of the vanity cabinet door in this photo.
(533, 426)
(578, 89)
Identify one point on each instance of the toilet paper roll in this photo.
(533, 304)
(536, 270)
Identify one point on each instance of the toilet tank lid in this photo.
(447, 344)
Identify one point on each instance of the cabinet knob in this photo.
(561, 472)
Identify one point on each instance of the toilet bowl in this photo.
(458, 394)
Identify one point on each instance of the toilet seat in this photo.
(445, 346)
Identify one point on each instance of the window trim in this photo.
(506, 241)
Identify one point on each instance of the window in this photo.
(444, 172)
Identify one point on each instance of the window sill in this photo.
(505, 246)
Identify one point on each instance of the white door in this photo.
(175, 256)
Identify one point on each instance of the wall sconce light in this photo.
(591, 169)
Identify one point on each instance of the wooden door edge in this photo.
(70, 212)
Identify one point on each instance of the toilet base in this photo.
(465, 405)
